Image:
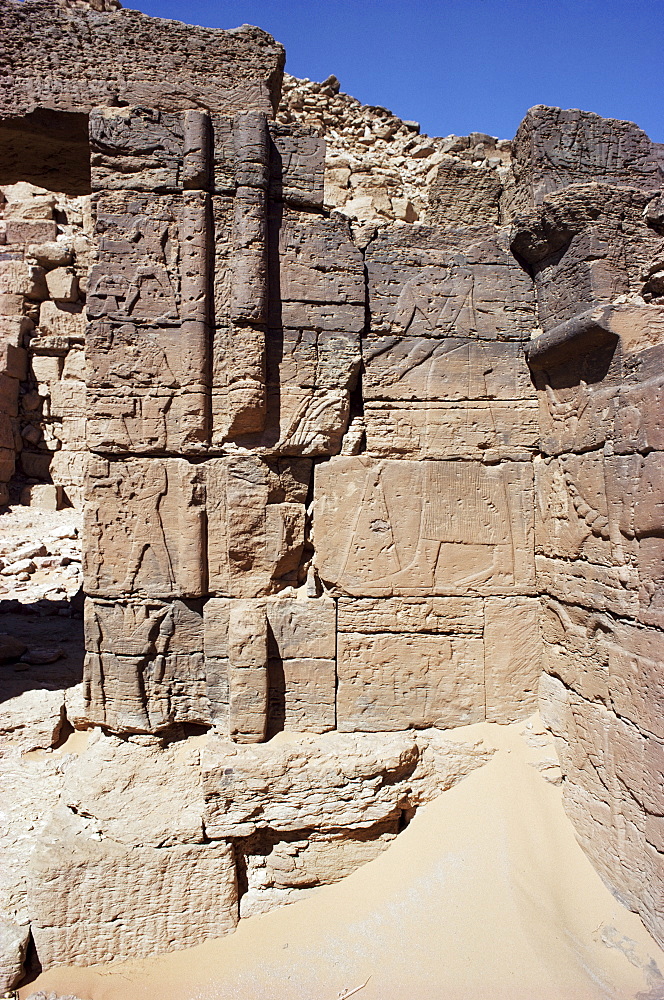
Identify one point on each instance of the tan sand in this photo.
(485, 895)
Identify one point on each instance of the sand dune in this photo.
(485, 894)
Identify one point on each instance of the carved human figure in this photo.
(148, 487)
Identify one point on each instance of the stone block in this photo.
(429, 282)
(14, 329)
(321, 274)
(57, 254)
(19, 278)
(635, 657)
(164, 774)
(462, 192)
(302, 695)
(8, 395)
(480, 430)
(329, 782)
(147, 343)
(13, 362)
(36, 464)
(247, 671)
(120, 141)
(145, 668)
(43, 497)
(404, 680)
(68, 399)
(256, 520)
(46, 369)
(71, 433)
(512, 657)
(14, 940)
(62, 320)
(399, 528)
(432, 615)
(284, 871)
(22, 231)
(554, 147)
(62, 284)
(227, 71)
(144, 528)
(448, 398)
(179, 896)
(75, 367)
(297, 165)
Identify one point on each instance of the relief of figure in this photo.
(443, 304)
(565, 413)
(147, 487)
(139, 293)
(128, 646)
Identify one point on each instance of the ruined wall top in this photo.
(81, 57)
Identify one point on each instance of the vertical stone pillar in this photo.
(148, 346)
(249, 289)
(247, 671)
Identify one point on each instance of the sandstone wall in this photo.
(229, 350)
(371, 438)
(594, 242)
(93, 53)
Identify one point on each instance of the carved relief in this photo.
(435, 282)
(412, 528)
(148, 338)
(144, 668)
(256, 522)
(144, 528)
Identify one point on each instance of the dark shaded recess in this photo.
(276, 711)
(46, 148)
(263, 841)
(581, 349)
(43, 624)
(31, 966)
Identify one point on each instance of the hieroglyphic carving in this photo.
(420, 528)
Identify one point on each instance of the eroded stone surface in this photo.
(367, 427)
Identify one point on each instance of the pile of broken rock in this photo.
(40, 559)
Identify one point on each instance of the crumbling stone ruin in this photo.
(366, 430)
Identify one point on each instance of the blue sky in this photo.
(465, 65)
